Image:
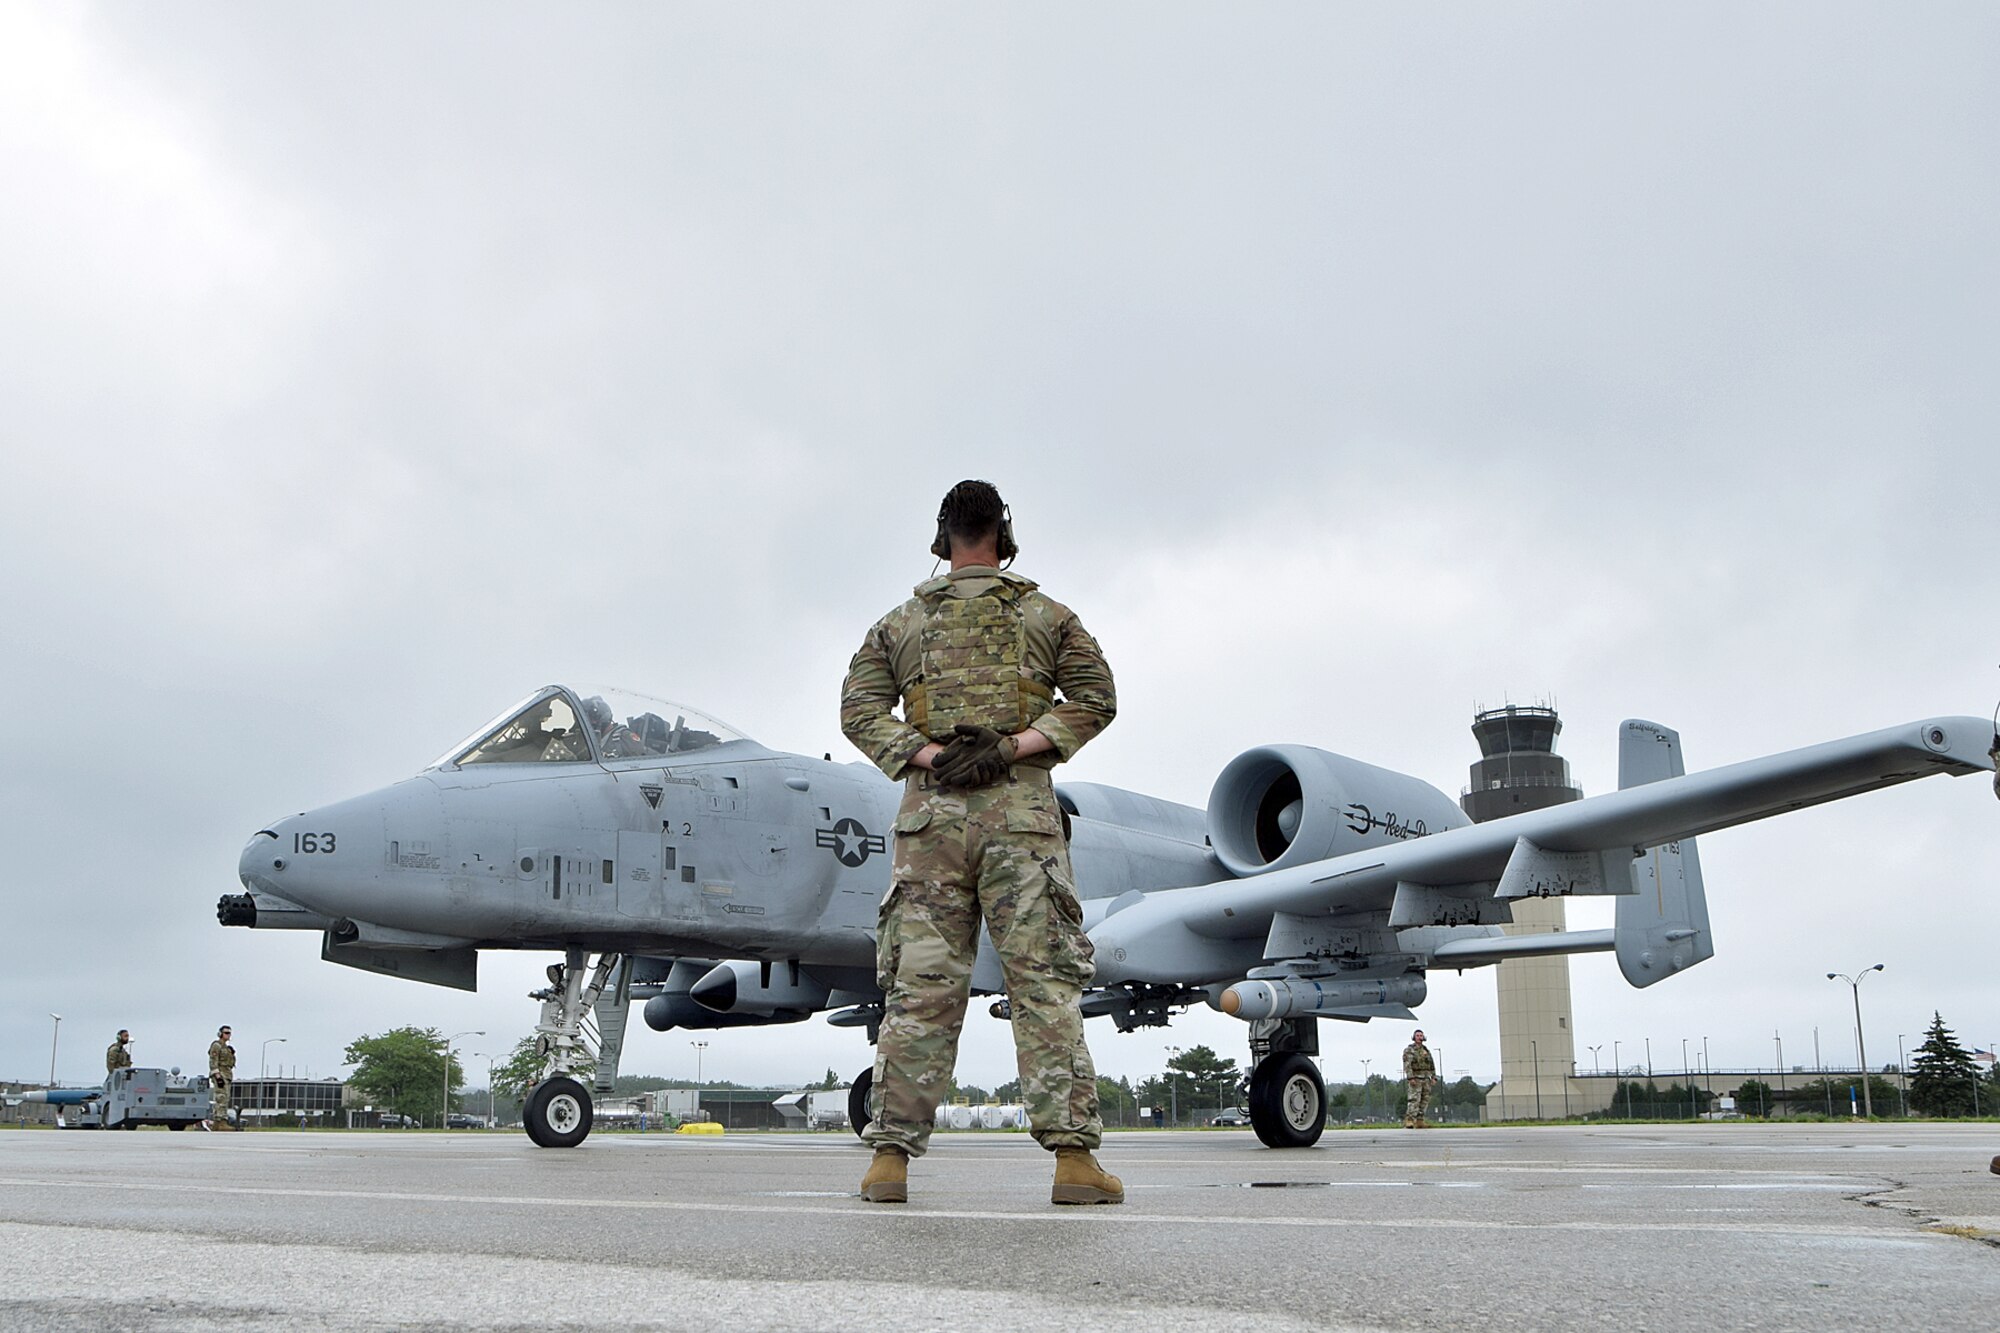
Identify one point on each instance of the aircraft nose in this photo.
(260, 862)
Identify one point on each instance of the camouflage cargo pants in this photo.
(994, 853)
(218, 1088)
(1420, 1098)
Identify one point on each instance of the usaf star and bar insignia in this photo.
(850, 843)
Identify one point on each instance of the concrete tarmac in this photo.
(1723, 1226)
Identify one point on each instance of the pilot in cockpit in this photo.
(615, 740)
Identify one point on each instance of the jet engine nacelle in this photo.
(664, 1013)
(1285, 805)
(771, 989)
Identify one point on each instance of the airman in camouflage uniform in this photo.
(997, 683)
(1420, 1077)
(221, 1073)
(116, 1057)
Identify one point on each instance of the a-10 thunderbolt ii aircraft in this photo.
(671, 859)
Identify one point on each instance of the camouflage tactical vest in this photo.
(972, 652)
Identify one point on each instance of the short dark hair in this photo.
(972, 510)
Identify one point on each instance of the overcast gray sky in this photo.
(1347, 367)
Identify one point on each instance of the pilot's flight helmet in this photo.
(597, 713)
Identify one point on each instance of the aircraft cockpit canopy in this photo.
(580, 724)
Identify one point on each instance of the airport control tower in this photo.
(1519, 770)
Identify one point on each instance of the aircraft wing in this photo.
(1618, 843)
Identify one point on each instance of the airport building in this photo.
(1518, 771)
(325, 1103)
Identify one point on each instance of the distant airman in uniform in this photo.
(116, 1057)
(221, 1074)
(997, 684)
(1420, 1077)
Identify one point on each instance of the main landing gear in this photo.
(1287, 1095)
(861, 1097)
(860, 1102)
(558, 1111)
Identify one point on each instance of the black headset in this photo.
(1006, 549)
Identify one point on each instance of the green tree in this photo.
(523, 1069)
(1114, 1101)
(1155, 1091)
(1207, 1082)
(403, 1070)
(828, 1083)
(1468, 1091)
(1942, 1077)
(1010, 1091)
(1753, 1097)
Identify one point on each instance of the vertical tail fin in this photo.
(1663, 928)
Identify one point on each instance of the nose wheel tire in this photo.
(557, 1113)
(860, 1110)
(1287, 1101)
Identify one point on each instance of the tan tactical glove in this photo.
(975, 757)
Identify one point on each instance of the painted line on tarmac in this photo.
(874, 1213)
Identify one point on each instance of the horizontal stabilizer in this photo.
(1478, 953)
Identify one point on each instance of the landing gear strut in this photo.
(558, 1111)
(1287, 1095)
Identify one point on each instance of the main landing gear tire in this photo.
(557, 1113)
(859, 1109)
(1287, 1101)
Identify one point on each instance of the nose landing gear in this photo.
(558, 1111)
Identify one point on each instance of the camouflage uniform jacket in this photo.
(221, 1059)
(116, 1057)
(1417, 1063)
(1056, 656)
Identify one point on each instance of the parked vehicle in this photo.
(1231, 1117)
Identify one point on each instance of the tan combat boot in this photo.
(1079, 1179)
(888, 1178)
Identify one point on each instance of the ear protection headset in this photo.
(1007, 550)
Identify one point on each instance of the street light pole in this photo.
(1903, 1073)
(1366, 1103)
(263, 1088)
(1780, 1041)
(1860, 1049)
(445, 1113)
(53, 1039)
(699, 1047)
(481, 1055)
